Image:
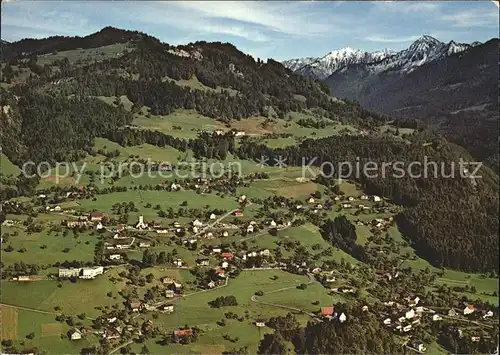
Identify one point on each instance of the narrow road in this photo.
(121, 346)
(36, 310)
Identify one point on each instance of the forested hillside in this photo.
(55, 114)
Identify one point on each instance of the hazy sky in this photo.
(280, 30)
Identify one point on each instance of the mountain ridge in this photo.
(423, 50)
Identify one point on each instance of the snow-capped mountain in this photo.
(323, 67)
(424, 50)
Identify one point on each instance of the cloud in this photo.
(408, 6)
(473, 18)
(386, 39)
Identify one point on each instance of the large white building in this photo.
(82, 273)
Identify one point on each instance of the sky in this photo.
(265, 29)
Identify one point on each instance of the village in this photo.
(217, 261)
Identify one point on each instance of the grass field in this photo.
(194, 83)
(6, 167)
(79, 249)
(482, 284)
(90, 54)
(9, 321)
(73, 298)
(190, 122)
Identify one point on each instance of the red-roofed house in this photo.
(238, 213)
(469, 309)
(220, 272)
(182, 333)
(227, 256)
(96, 216)
(327, 311)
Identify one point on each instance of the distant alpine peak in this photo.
(423, 50)
(324, 66)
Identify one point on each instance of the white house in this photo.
(57, 208)
(407, 328)
(225, 234)
(162, 231)
(76, 335)
(410, 314)
(350, 198)
(364, 197)
(178, 262)
(265, 252)
(115, 257)
(475, 338)
(452, 313)
(488, 314)
(436, 317)
(419, 347)
(364, 308)
(91, 272)
(216, 250)
(112, 320)
(342, 318)
(141, 224)
(250, 228)
(387, 321)
(310, 200)
(413, 301)
(168, 308)
(195, 230)
(330, 278)
(260, 323)
(144, 244)
(272, 224)
(376, 198)
(213, 216)
(224, 264)
(99, 226)
(197, 223)
(469, 309)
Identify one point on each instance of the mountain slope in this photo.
(457, 94)
(56, 114)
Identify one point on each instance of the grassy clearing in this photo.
(73, 298)
(85, 55)
(194, 83)
(303, 299)
(6, 167)
(81, 248)
(111, 100)
(482, 283)
(189, 121)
